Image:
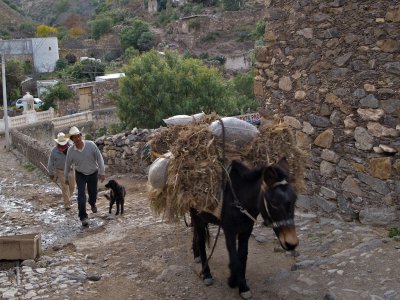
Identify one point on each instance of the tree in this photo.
(137, 36)
(57, 92)
(14, 76)
(159, 86)
(100, 26)
(87, 70)
(45, 31)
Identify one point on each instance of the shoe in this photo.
(85, 222)
(94, 208)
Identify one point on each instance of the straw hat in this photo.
(74, 131)
(61, 139)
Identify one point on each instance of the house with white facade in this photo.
(43, 51)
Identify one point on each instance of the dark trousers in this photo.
(81, 181)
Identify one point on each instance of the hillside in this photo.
(12, 23)
(210, 33)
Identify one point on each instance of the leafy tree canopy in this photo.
(86, 70)
(159, 86)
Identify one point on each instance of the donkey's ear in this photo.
(283, 163)
(270, 173)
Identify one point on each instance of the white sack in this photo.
(158, 172)
(183, 119)
(237, 132)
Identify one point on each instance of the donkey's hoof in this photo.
(208, 281)
(246, 295)
(197, 259)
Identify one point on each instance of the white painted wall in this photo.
(45, 54)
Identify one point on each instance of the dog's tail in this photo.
(107, 196)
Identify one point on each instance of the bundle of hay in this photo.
(195, 171)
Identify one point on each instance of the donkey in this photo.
(265, 190)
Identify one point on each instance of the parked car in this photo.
(37, 103)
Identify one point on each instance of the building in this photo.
(42, 51)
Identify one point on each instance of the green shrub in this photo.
(132, 36)
(394, 232)
(61, 64)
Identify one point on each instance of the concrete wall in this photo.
(332, 68)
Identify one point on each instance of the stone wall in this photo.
(332, 68)
(125, 152)
(34, 150)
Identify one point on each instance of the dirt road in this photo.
(137, 256)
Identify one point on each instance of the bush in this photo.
(71, 58)
(394, 232)
(61, 64)
(146, 41)
(132, 36)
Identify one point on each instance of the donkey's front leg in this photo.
(234, 263)
(243, 246)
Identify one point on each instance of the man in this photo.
(89, 167)
(55, 166)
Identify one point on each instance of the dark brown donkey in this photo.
(244, 198)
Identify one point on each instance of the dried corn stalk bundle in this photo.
(274, 142)
(194, 174)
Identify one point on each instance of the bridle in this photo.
(287, 222)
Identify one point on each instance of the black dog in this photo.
(117, 194)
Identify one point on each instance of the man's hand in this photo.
(51, 177)
(102, 177)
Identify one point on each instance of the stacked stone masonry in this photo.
(125, 152)
(331, 70)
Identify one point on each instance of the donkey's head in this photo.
(278, 203)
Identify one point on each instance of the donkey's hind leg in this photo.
(200, 232)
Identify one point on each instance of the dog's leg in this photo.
(111, 205)
(117, 213)
(122, 205)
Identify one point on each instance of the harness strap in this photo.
(236, 201)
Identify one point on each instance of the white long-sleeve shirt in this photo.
(86, 161)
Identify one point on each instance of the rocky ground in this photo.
(137, 256)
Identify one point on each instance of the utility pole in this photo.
(5, 118)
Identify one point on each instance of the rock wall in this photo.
(331, 69)
(33, 149)
(125, 152)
